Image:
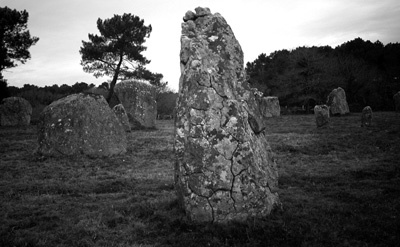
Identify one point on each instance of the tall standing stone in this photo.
(321, 113)
(224, 165)
(396, 98)
(80, 124)
(139, 101)
(366, 116)
(15, 111)
(337, 102)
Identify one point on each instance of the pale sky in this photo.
(260, 26)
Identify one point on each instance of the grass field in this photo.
(339, 186)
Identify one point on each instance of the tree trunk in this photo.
(112, 84)
(114, 80)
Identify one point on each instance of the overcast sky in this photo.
(261, 26)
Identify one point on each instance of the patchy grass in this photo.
(339, 186)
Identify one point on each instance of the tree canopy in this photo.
(15, 39)
(117, 51)
(368, 72)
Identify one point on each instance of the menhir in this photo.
(224, 165)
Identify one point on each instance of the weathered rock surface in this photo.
(224, 165)
(396, 98)
(366, 116)
(321, 113)
(80, 124)
(139, 100)
(120, 112)
(337, 102)
(269, 106)
(15, 111)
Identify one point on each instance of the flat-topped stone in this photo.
(80, 124)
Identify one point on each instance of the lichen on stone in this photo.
(224, 166)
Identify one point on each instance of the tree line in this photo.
(42, 96)
(39, 97)
(368, 72)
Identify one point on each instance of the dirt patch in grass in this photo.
(339, 186)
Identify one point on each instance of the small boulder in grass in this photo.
(15, 111)
(321, 113)
(366, 116)
(122, 116)
(80, 124)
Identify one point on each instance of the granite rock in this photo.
(224, 168)
(80, 124)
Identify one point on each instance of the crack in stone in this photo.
(199, 195)
(223, 155)
(237, 175)
(233, 182)
(231, 192)
(208, 201)
(212, 210)
(201, 85)
(233, 178)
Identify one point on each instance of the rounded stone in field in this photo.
(80, 124)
